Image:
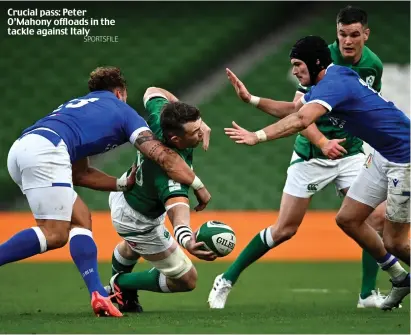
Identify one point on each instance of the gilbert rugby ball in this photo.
(217, 237)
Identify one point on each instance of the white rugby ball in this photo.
(217, 237)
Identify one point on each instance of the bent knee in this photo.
(395, 247)
(284, 234)
(56, 234)
(189, 281)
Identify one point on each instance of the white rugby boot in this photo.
(372, 301)
(219, 293)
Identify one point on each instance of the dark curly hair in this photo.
(106, 79)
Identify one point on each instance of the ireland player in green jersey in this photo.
(138, 215)
(310, 168)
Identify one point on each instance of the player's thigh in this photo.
(305, 178)
(352, 213)
(398, 197)
(348, 169)
(370, 185)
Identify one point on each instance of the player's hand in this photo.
(206, 130)
(131, 179)
(241, 135)
(239, 87)
(203, 197)
(333, 150)
(197, 250)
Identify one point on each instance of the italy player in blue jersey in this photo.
(52, 155)
(351, 104)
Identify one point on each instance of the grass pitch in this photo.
(268, 298)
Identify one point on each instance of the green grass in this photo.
(268, 298)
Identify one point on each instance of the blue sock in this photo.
(83, 251)
(27, 243)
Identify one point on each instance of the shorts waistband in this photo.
(48, 134)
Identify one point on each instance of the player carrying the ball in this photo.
(138, 215)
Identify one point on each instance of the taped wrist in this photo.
(183, 234)
(121, 184)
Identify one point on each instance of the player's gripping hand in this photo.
(333, 150)
(241, 135)
(197, 250)
(131, 178)
(239, 87)
(203, 197)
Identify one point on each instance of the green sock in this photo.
(150, 280)
(258, 246)
(120, 264)
(369, 274)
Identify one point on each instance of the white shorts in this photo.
(42, 170)
(380, 180)
(305, 178)
(144, 235)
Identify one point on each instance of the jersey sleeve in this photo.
(133, 124)
(153, 103)
(329, 92)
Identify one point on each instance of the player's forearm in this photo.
(167, 159)
(153, 90)
(285, 127)
(314, 135)
(278, 109)
(95, 179)
(178, 211)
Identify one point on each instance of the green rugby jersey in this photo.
(153, 187)
(369, 69)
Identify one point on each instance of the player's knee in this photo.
(189, 281)
(376, 220)
(344, 222)
(395, 247)
(284, 234)
(56, 233)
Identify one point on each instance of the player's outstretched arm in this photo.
(289, 125)
(155, 91)
(175, 167)
(330, 148)
(178, 211)
(275, 108)
(87, 176)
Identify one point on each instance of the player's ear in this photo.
(366, 34)
(174, 139)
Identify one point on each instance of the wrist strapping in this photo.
(322, 141)
(183, 234)
(121, 183)
(197, 184)
(254, 100)
(261, 135)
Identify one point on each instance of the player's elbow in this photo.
(304, 120)
(80, 177)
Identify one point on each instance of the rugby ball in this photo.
(217, 237)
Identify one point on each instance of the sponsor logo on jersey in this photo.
(370, 80)
(395, 182)
(312, 187)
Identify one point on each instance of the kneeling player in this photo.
(138, 215)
